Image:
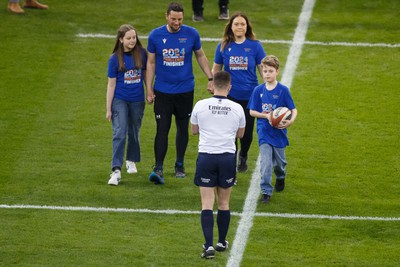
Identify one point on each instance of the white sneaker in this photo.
(131, 167)
(115, 177)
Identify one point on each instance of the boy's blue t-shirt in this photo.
(263, 100)
(174, 70)
(241, 61)
(129, 86)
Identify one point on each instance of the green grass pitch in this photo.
(55, 143)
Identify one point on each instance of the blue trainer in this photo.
(157, 176)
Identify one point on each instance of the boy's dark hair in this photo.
(222, 79)
(271, 61)
(173, 6)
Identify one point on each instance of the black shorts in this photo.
(214, 170)
(180, 105)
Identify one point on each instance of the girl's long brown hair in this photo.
(119, 48)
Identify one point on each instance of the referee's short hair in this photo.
(222, 79)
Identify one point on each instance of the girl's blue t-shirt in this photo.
(129, 85)
(263, 100)
(241, 61)
(174, 70)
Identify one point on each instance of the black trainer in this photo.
(279, 185)
(265, 198)
(179, 170)
(220, 247)
(208, 253)
(242, 164)
(223, 13)
(197, 17)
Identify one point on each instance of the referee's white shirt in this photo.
(218, 119)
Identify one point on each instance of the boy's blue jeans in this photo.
(271, 158)
(126, 121)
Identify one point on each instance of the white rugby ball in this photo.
(280, 114)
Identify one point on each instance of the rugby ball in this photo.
(280, 114)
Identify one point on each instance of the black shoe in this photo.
(223, 13)
(279, 185)
(197, 17)
(220, 247)
(242, 164)
(208, 253)
(179, 170)
(265, 198)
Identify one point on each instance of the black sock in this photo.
(207, 224)
(223, 220)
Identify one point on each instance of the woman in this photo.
(240, 55)
(125, 99)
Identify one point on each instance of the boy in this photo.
(272, 141)
(219, 121)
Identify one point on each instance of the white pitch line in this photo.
(329, 217)
(174, 212)
(208, 39)
(96, 209)
(298, 42)
(246, 221)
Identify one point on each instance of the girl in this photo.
(125, 99)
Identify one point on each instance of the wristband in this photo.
(210, 79)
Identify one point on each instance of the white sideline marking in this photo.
(330, 217)
(173, 212)
(207, 39)
(298, 41)
(96, 209)
(246, 221)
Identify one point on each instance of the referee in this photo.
(219, 121)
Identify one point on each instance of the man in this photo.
(219, 121)
(170, 48)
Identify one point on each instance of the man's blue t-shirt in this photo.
(241, 61)
(174, 51)
(263, 100)
(129, 86)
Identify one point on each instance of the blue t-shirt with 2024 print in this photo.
(174, 51)
(129, 85)
(241, 61)
(263, 100)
